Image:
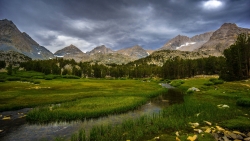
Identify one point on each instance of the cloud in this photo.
(120, 23)
(212, 4)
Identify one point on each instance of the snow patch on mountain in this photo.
(186, 44)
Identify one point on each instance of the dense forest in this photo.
(234, 65)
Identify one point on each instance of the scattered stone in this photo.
(198, 130)
(177, 134)
(248, 134)
(193, 89)
(239, 137)
(215, 135)
(239, 133)
(208, 130)
(219, 128)
(208, 123)
(196, 124)
(156, 138)
(232, 135)
(177, 139)
(247, 139)
(198, 114)
(6, 118)
(192, 138)
(225, 138)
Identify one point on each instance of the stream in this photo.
(17, 129)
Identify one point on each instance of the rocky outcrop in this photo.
(11, 39)
(222, 38)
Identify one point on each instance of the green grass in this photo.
(176, 117)
(79, 98)
(85, 108)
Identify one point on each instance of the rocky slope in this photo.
(12, 39)
(13, 57)
(69, 50)
(185, 43)
(222, 38)
(159, 57)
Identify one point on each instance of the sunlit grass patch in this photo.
(85, 108)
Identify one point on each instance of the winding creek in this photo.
(18, 129)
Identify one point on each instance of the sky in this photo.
(118, 24)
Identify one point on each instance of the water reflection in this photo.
(27, 132)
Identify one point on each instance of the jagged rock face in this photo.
(176, 42)
(185, 43)
(101, 50)
(136, 52)
(222, 38)
(69, 50)
(12, 39)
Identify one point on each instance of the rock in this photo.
(196, 124)
(225, 106)
(208, 123)
(239, 137)
(198, 130)
(232, 135)
(247, 139)
(192, 138)
(177, 134)
(225, 138)
(219, 128)
(1, 131)
(208, 130)
(215, 135)
(193, 89)
(156, 138)
(248, 134)
(6, 118)
(177, 139)
(239, 133)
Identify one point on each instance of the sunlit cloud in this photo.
(212, 4)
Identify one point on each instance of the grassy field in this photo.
(198, 107)
(73, 99)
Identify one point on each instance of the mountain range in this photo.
(205, 44)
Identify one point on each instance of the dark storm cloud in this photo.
(120, 23)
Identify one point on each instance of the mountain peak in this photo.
(229, 25)
(101, 49)
(222, 38)
(13, 39)
(134, 51)
(71, 49)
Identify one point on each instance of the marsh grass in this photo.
(197, 107)
(174, 118)
(85, 108)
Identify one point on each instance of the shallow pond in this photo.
(18, 129)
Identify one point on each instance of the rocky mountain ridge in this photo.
(222, 38)
(185, 43)
(11, 39)
(209, 43)
(103, 54)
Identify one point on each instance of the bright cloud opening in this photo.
(212, 4)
